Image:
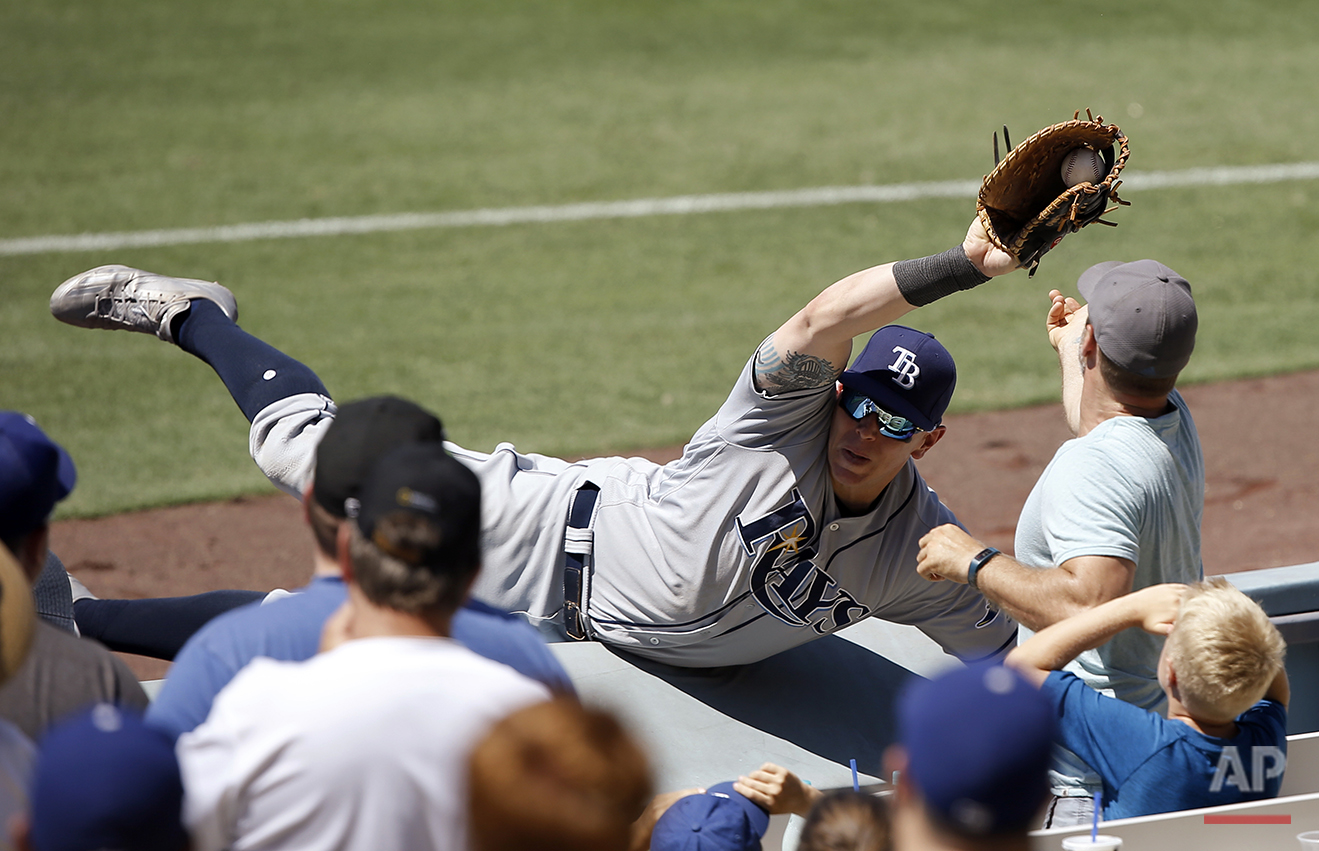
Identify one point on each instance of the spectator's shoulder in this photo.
(248, 629)
(1074, 699)
(59, 651)
(1269, 714)
(1059, 681)
(50, 641)
(477, 607)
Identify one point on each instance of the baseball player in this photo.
(793, 512)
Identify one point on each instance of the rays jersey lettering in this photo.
(785, 580)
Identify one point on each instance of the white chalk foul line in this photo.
(676, 206)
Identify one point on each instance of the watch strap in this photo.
(976, 563)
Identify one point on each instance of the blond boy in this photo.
(1224, 740)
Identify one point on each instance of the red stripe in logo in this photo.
(1248, 819)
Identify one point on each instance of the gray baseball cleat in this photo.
(120, 298)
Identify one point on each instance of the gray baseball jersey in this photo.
(730, 554)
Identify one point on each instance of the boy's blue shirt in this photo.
(1150, 765)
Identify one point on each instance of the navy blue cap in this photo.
(906, 372)
(978, 741)
(106, 780)
(720, 820)
(35, 474)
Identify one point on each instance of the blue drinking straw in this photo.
(1094, 828)
(856, 786)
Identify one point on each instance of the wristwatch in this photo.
(976, 563)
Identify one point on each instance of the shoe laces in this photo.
(127, 302)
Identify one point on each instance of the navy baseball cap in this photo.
(362, 431)
(104, 779)
(978, 743)
(35, 474)
(1143, 315)
(906, 372)
(423, 482)
(722, 819)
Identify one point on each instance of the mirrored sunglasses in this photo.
(858, 405)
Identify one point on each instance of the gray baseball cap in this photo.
(1143, 315)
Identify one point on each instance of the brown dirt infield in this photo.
(1261, 505)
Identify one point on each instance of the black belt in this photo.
(577, 543)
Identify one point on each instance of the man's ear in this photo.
(343, 552)
(928, 439)
(306, 501)
(1088, 348)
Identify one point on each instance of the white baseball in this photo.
(1083, 165)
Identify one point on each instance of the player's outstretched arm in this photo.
(1153, 608)
(813, 347)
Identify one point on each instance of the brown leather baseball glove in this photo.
(1025, 206)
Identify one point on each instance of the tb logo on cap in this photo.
(905, 368)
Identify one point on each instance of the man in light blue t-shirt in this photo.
(1119, 507)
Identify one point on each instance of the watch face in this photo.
(981, 557)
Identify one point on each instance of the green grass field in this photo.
(602, 336)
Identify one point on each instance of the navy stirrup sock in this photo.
(155, 627)
(255, 373)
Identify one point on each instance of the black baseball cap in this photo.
(361, 433)
(906, 372)
(424, 483)
(1143, 315)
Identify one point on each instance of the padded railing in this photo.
(1291, 597)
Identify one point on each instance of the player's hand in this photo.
(645, 825)
(987, 258)
(1158, 607)
(777, 790)
(1066, 319)
(946, 553)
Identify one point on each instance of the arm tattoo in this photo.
(775, 373)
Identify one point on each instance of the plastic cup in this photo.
(792, 833)
(1309, 840)
(1100, 843)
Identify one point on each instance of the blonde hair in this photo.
(1224, 650)
(557, 776)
